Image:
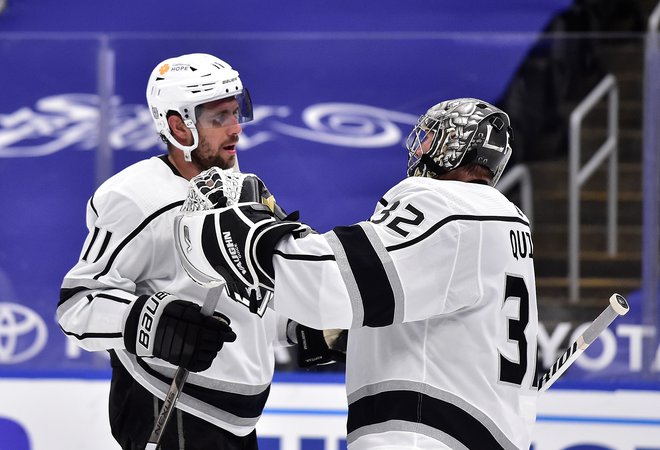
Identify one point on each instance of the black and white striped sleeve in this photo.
(342, 279)
(98, 291)
(376, 274)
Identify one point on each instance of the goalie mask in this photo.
(457, 132)
(183, 83)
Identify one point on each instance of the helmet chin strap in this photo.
(186, 149)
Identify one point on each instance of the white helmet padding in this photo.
(181, 83)
(457, 132)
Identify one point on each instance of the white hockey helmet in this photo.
(457, 132)
(184, 82)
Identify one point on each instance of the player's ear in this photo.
(179, 129)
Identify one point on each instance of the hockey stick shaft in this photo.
(180, 378)
(618, 307)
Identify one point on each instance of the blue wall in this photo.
(337, 86)
(286, 15)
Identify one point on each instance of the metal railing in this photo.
(651, 183)
(106, 89)
(577, 175)
(519, 174)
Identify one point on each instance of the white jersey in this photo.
(438, 291)
(129, 252)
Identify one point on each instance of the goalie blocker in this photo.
(237, 245)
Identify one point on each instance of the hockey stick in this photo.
(197, 200)
(618, 307)
(180, 378)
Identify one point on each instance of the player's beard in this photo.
(207, 158)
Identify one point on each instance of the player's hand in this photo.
(217, 188)
(176, 331)
(316, 347)
(234, 244)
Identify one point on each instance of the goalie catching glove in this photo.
(234, 244)
(217, 188)
(176, 331)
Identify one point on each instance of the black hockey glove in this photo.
(176, 331)
(236, 244)
(254, 190)
(314, 348)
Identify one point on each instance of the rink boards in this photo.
(66, 414)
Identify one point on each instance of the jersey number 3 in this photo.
(395, 223)
(514, 371)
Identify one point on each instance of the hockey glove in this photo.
(176, 331)
(316, 347)
(217, 188)
(236, 244)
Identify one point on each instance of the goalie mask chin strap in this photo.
(427, 164)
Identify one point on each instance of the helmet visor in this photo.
(225, 112)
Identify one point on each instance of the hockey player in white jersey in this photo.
(437, 289)
(128, 293)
